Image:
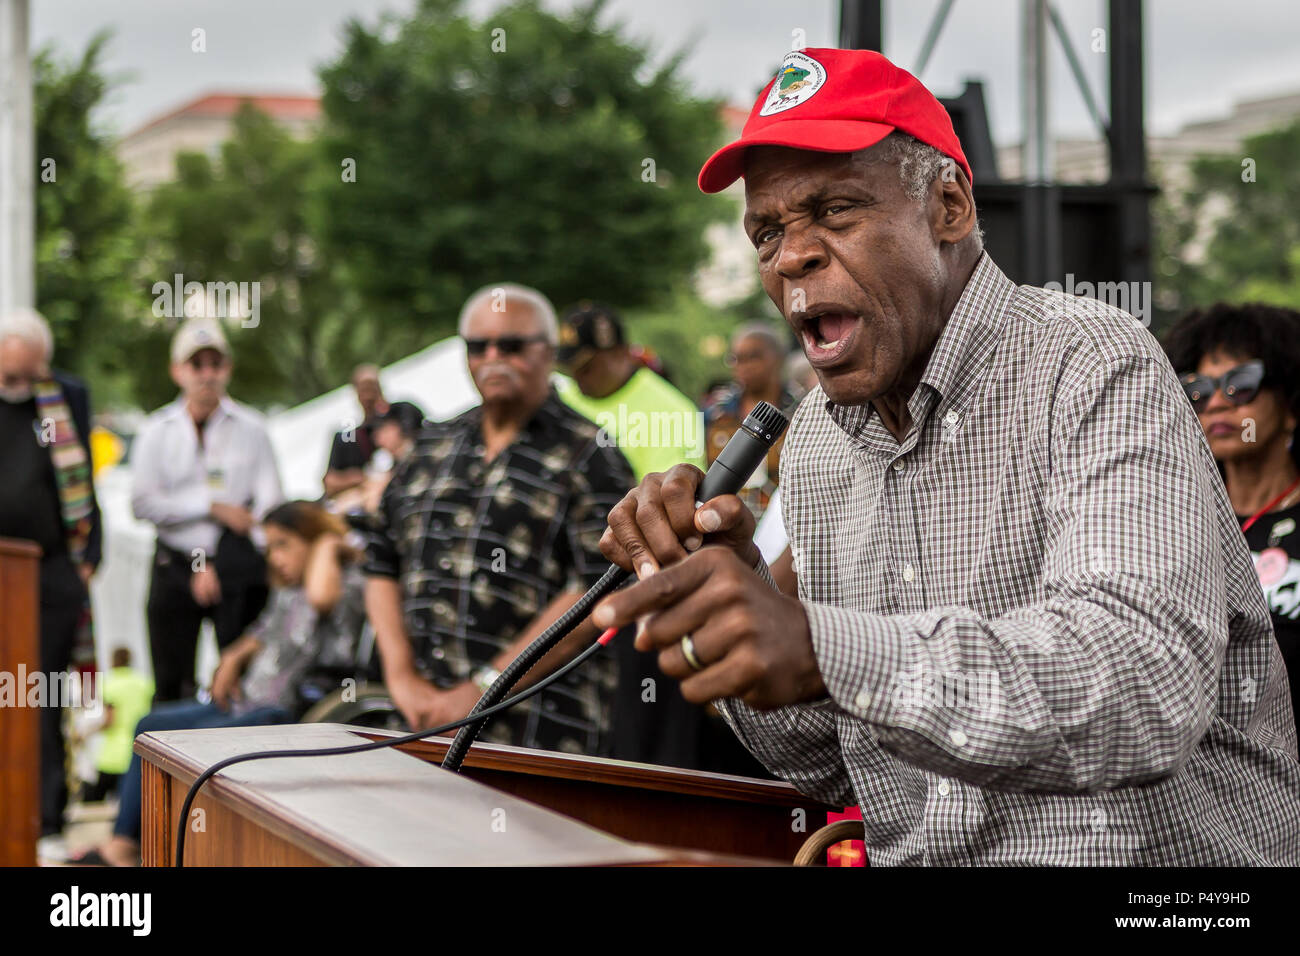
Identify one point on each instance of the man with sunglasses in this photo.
(488, 531)
(1240, 368)
(203, 473)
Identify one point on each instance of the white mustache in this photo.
(499, 368)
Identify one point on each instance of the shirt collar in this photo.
(225, 409)
(548, 419)
(970, 333)
(964, 345)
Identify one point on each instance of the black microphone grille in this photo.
(766, 421)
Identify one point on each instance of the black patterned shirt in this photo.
(479, 548)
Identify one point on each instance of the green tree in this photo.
(527, 147)
(1233, 233)
(86, 249)
(245, 219)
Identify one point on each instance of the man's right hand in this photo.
(418, 700)
(657, 523)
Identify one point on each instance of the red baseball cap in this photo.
(836, 101)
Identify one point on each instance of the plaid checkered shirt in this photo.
(1039, 626)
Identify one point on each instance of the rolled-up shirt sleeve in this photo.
(1111, 678)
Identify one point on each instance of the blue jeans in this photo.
(179, 715)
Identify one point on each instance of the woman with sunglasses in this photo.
(1240, 367)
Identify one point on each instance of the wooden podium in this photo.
(395, 807)
(20, 725)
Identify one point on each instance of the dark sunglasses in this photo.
(506, 344)
(1239, 385)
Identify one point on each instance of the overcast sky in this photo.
(1201, 54)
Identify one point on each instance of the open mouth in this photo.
(827, 335)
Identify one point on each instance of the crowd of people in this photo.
(455, 543)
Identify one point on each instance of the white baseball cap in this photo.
(194, 336)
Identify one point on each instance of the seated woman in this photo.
(1240, 367)
(317, 603)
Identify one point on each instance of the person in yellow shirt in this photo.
(656, 427)
(127, 695)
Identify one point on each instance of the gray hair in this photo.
(507, 291)
(29, 326)
(759, 330)
(919, 164)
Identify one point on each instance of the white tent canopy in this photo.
(436, 379)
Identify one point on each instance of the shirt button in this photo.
(951, 419)
(958, 738)
(444, 563)
(439, 653)
(909, 573)
(899, 465)
(944, 788)
(863, 700)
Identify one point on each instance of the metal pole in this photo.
(17, 161)
(1128, 157)
(932, 37)
(1033, 92)
(862, 25)
(1040, 214)
(1076, 67)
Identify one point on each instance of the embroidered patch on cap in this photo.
(801, 76)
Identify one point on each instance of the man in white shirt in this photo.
(204, 475)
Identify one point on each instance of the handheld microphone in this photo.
(727, 475)
(749, 446)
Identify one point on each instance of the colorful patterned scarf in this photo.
(71, 464)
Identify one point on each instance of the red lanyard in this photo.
(1268, 507)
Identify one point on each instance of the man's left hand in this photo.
(753, 642)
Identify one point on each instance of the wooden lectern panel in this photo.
(20, 726)
(379, 808)
(668, 806)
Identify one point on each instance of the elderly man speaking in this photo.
(1027, 629)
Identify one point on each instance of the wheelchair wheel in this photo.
(367, 705)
